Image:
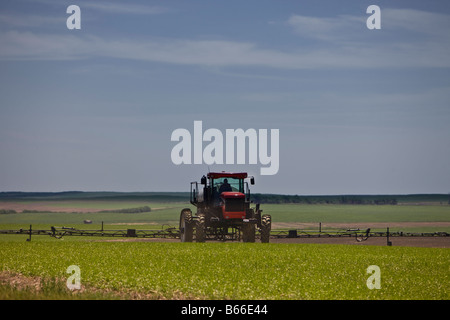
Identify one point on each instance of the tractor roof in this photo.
(216, 175)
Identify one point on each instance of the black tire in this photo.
(266, 226)
(248, 232)
(200, 228)
(186, 226)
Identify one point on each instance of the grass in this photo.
(238, 270)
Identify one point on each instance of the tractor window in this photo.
(228, 184)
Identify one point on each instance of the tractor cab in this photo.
(230, 192)
(226, 193)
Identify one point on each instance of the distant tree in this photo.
(7, 211)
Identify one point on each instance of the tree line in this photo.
(345, 199)
(129, 210)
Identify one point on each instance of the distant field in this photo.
(74, 212)
(408, 218)
(77, 211)
(357, 213)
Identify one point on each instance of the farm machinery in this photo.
(223, 210)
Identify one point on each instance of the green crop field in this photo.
(235, 270)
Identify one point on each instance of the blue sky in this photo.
(359, 111)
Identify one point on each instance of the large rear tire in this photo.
(266, 226)
(186, 226)
(200, 232)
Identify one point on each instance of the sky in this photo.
(359, 111)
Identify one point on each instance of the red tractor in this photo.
(223, 210)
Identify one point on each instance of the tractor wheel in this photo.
(186, 226)
(200, 229)
(248, 232)
(266, 226)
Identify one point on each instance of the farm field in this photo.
(150, 269)
(73, 212)
(235, 270)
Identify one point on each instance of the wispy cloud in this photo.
(30, 20)
(343, 48)
(330, 29)
(110, 6)
(218, 53)
(123, 8)
(416, 23)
